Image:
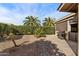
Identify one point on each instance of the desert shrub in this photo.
(39, 32)
(49, 30)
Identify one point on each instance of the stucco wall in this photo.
(62, 26)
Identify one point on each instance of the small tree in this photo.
(12, 37)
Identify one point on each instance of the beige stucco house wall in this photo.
(64, 25)
(61, 26)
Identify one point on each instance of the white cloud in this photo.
(10, 16)
(17, 15)
(20, 11)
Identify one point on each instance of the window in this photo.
(74, 27)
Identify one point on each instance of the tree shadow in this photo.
(37, 48)
(23, 43)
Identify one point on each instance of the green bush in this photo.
(39, 32)
(49, 30)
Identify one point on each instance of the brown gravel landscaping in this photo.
(28, 45)
(37, 48)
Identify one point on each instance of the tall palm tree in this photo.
(49, 25)
(31, 22)
(49, 22)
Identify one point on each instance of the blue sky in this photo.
(15, 13)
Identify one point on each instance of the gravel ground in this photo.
(28, 45)
(37, 48)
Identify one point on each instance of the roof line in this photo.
(65, 17)
(59, 6)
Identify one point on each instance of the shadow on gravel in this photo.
(37, 48)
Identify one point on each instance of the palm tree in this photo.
(49, 22)
(31, 22)
(49, 25)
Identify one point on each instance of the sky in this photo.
(15, 13)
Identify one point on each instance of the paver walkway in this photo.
(50, 45)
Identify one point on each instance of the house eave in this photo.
(68, 7)
(65, 18)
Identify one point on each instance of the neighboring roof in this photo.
(65, 18)
(68, 7)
